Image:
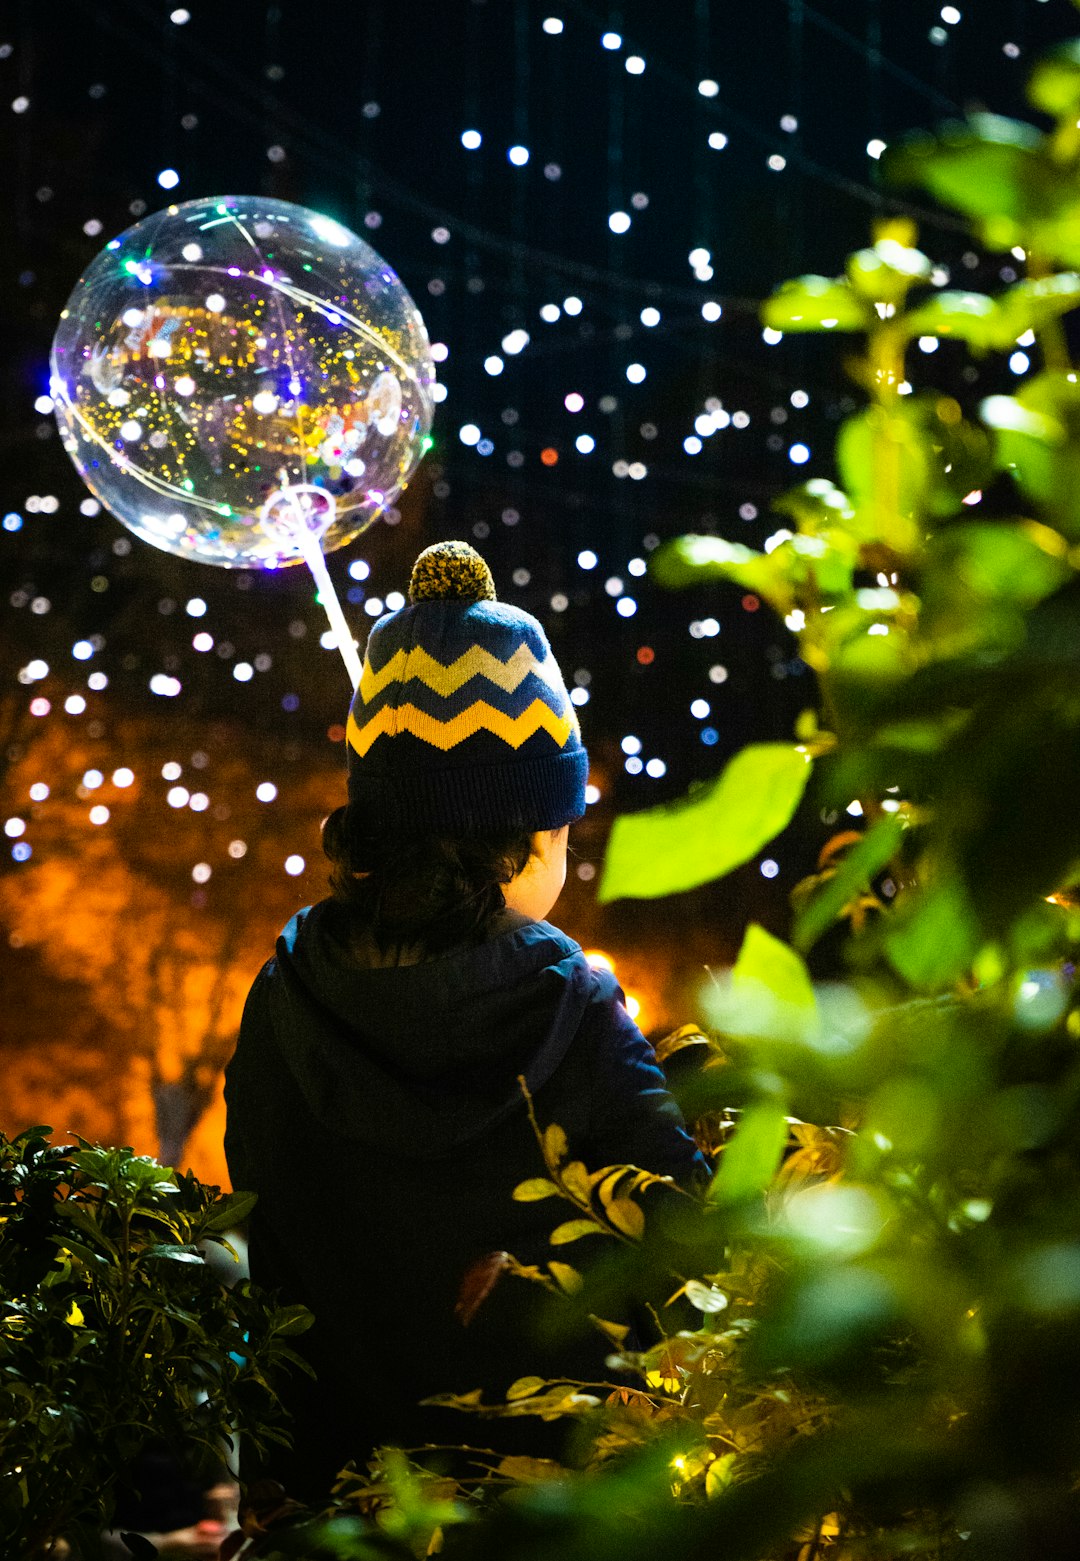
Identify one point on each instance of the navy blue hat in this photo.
(462, 722)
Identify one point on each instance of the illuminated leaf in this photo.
(1026, 442)
(766, 993)
(1032, 303)
(991, 168)
(971, 317)
(1054, 83)
(534, 1189)
(529, 1471)
(696, 560)
(230, 1211)
(707, 1298)
(718, 1475)
(524, 1387)
(616, 1332)
(184, 1254)
(885, 473)
(816, 303)
(814, 504)
(885, 272)
(717, 828)
(749, 1161)
(608, 1179)
(575, 1178)
(627, 1217)
(291, 1320)
(571, 1230)
(567, 1278)
(854, 872)
(934, 941)
(555, 1145)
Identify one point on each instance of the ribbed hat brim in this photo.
(532, 794)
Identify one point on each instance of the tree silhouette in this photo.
(154, 920)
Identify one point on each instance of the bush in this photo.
(114, 1333)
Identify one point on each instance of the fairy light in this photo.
(539, 442)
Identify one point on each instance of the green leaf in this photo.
(816, 303)
(815, 505)
(568, 1279)
(885, 472)
(1054, 84)
(534, 1189)
(28, 1134)
(529, 1471)
(695, 560)
(934, 941)
(768, 993)
(626, 1216)
(886, 272)
(571, 1230)
(990, 168)
(854, 872)
(971, 317)
(174, 1254)
(979, 563)
(291, 1320)
(555, 1144)
(575, 1178)
(1026, 443)
(84, 1221)
(231, 1210)
(958, 452)
(718, 827)
(750, 1158)
(525, 1387)
(1038, 438)
(84, 1253)
(1032, 303)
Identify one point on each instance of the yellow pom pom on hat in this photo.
(451, 570)
(462, 721)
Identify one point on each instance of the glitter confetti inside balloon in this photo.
(231, 373)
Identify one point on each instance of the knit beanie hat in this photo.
(461, 722)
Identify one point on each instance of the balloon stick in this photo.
(311, 546)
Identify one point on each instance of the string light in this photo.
(614, 306)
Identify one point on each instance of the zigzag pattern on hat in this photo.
(405, 665)
(513, 730)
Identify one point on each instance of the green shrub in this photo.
(114, 1333)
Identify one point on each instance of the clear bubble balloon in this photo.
(229, 370)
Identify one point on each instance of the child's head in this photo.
(438, 891)
(465, 759)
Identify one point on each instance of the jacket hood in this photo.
(427, 1055)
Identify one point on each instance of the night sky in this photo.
(729, 144)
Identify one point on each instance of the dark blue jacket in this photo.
(378, 1115)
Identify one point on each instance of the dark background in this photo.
(357, 110)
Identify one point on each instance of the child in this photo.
(373, 1099)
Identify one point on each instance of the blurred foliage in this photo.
(884, 1348)
(115, 1333)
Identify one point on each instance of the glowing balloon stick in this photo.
(293, 509)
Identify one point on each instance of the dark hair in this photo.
(435, 891)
